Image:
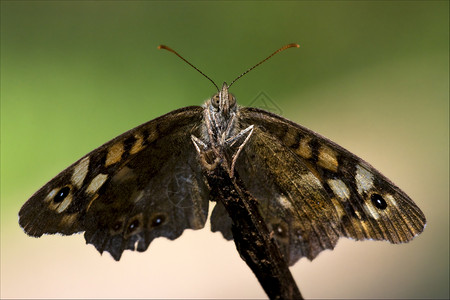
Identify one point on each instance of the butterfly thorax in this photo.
(222, 141)
(220, 114)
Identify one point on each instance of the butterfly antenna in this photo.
(176, 53)
(279, 50)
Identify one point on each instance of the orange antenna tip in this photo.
(176, 53)
(293, 45)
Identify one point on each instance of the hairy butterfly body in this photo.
(152, 181)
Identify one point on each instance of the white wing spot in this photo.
(52, 194)
(80, 171)
(364, 180)
(391, 199)
(96, 183)
(284, 202)
(311, 178)
(371, 211)
(339, 188)
(63, 205)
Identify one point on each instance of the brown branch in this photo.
(253, 240)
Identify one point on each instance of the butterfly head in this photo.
(223, 102)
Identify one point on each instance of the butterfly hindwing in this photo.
(322, 191)
(291, 199)
(143, 184)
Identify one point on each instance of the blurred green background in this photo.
(371, 76)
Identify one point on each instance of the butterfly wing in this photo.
(312, 191)
(141, 185)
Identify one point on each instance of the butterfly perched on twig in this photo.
(152, 181)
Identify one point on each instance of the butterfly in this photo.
(156, 180)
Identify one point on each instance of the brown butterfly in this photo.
(155, 180)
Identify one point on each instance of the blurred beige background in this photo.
(371, 76)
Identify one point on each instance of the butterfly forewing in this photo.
(311, 191)
(143, 184)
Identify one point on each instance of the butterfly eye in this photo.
(378, 201)
(232, 100)
(215, 101)
(61, 194)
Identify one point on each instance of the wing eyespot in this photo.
(117, 226)
(61, 195)
(133, 225)
(158, 220)
(378, 201)
(280, 230)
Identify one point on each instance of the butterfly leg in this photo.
(228, 131)
(247, 132)
(207, 157)
(231, 141)
(198, 143)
